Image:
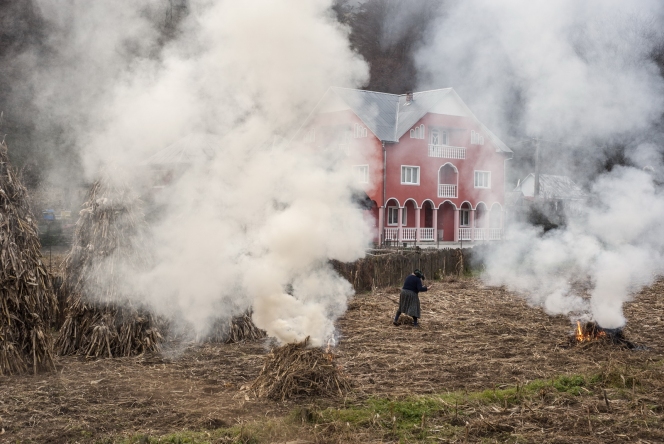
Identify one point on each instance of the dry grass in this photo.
(484, 367)
(27, 301)
(297, 371)
(238, 329)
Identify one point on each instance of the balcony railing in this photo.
(495, 233)
(391, 234)
(447, 190)
(447, 152)
(426, 234)
(465, 233)
(409, 234)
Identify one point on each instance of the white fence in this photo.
(426, 234)
(465, 233)
(447, 152)
(391, 234)
(447, 190)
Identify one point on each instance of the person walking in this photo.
(409, 300)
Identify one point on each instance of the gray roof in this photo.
(559, 187)
(388, 116)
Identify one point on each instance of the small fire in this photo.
(328, 350)
(589, 333)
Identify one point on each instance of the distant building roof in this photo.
(390, 116)
(551, 187)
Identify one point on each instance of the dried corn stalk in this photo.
(295, 370)
(238, 329)
(104, 318)
(27, 301)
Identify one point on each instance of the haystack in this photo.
(27, 301)
(295, 370)
(103, 317)
(238, 329)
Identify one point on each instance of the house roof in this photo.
(556, 187)
(389, 117)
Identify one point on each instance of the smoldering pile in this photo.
(591, 333)
(103, 316)
(238, 329)
(27, 301)
(296, 370)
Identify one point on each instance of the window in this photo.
(476, 138)
(417, 132)
(482, 179)
(464, 218)
(438, 137)
(393, 216)
(310, 136)
(360, 131)
(410, 175)
(361, 173)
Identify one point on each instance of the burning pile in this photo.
(240, 328)
(27, 301)
(294, 370)
(103, 319)
(590, 331)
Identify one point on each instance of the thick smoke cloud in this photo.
(578, 73)
(253, 223)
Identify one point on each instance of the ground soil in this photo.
(472, 337)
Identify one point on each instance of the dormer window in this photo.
(417, 132)
(476, 138)
(438, 137)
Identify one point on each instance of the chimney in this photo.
(409, 97)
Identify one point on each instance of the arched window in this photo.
(417, 132)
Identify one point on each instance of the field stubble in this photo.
(484, 367)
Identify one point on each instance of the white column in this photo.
(399, 222)
(471, 223)
(381, 225)
(456, 225)
(435, 224)
(417, 224)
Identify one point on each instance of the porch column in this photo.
(381, 225)
(487, 225)
(456, 225)
(435, 224)
(399, 222)
(471, 223)
(417, 224)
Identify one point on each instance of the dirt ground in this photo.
(472, 338)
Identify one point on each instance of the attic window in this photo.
(360, 131)
(476, 138)
(417, 132)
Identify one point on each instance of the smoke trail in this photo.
(253, 222)
(580, 73)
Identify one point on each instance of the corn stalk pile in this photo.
(295, 370)
(27, 301)
(238, 329)
(103, 317)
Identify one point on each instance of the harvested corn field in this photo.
(484, 367)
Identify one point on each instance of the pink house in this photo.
(434, 172)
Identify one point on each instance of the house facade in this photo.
(434, 172)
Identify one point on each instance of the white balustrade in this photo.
(480, 234)
(409, 234)
(447, 190)
(426, 234)
(447, 152)
(495, 233)
(391, 234)
(464, 233)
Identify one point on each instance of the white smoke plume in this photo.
(254, 222)
(580, 74)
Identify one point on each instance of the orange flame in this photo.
(584, 336)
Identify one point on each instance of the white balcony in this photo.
(447, 190)
(426, 234)
(481, 234)
(465, 233)
(391, 234)
(409, 234)
(447, 152)
(495, 233)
